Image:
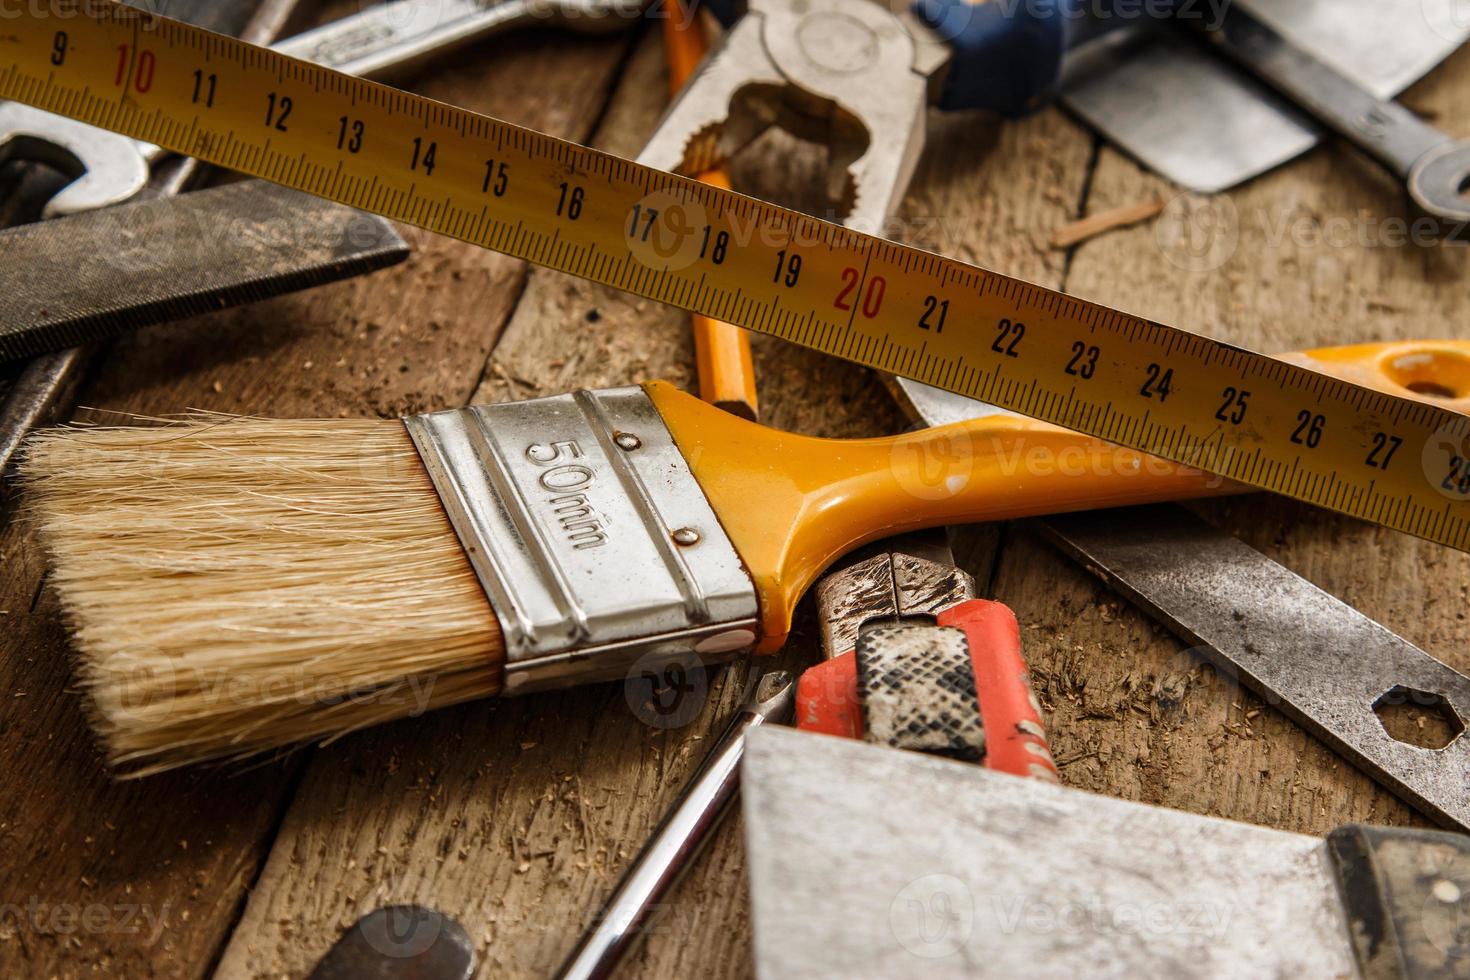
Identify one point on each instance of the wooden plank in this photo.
(185, 848)
(516, 818)
(1277, 265)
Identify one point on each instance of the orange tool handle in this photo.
(828, 700)
(721, 350)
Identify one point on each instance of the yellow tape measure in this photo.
(888, 306)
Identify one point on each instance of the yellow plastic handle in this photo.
(793, 504)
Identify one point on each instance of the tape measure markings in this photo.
(1076, 363)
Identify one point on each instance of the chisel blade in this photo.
(1320, 661)
(94, 275)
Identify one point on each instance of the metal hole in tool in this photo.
(1418, 718)
(1429, 371)
(1431, 389)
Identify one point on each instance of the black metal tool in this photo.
(1320, 661)
(99, 273)
(39, 391)
(1434, 167)
(400, 942)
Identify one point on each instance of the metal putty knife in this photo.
(1206, 125)
(868, 861)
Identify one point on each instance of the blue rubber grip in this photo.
(727, 12)
(1007, 53)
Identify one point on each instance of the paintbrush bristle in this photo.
(237, 585)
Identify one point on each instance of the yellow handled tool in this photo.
(1397, 459)
(812, 500)
(239, 585)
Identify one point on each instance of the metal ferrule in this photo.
(598, 550)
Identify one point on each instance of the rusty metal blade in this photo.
(1320, 661)
(97, 274)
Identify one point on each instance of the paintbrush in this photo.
(240, 584)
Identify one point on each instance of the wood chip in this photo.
(1093, 225)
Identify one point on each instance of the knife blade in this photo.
(1323, 663)
(866, 861)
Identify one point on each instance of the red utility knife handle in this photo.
(827, 698)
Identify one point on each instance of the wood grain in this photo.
(516, 817)
(186, 848)
(1305, 256)
(546, 799)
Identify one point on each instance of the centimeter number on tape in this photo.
(1241, 415)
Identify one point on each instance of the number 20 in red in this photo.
(872, 295)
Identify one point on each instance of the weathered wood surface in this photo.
(184, 849)
(516, 817)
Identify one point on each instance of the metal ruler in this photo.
(1145, 385)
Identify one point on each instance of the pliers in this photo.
(914, 660)
(859, 77)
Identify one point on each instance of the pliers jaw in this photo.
(916, 661)
(847, 74)
(909, 578)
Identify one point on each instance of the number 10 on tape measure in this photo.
(1397, 461)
